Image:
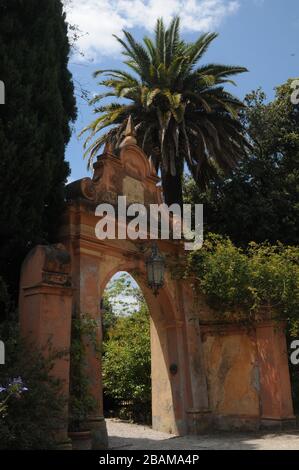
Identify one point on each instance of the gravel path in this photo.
(124, 435)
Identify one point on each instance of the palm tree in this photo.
(181, 111)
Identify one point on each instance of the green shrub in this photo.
(30, 418)
(243, 283)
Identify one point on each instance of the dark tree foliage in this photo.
(260, 201)
(34, 127)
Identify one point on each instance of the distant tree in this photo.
(34, 127)
(123, 294)
(127, 358)
(260, 201)
(109, 317)
(182, 112)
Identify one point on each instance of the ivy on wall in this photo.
(82, 403)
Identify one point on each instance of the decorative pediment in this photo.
(129, 174)
(135, 163)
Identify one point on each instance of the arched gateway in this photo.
(204, 375)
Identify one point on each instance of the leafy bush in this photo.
(30, 418)
(246, 283)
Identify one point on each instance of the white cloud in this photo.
(102, 18)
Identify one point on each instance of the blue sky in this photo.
(261, 35)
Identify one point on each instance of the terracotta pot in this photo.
(81, 440)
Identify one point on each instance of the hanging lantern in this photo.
(155, 267)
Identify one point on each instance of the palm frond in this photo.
(196, 50)
(181, 108)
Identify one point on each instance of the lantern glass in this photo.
(150, 273)
(155, 270)
(158, 269)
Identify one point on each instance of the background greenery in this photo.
(127, 352)
(259, 201)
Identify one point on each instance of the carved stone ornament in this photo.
(129, 174)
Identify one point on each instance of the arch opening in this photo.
(126, 356)
(166, 369)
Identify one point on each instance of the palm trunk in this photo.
(172, 189)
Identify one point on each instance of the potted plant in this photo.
(79, 432)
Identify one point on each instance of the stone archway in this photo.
(211, 389)
(170, 393)
(94, 261)
(166, 334)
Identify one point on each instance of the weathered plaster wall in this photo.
(232, 375)
(45, 307)
(163, 418)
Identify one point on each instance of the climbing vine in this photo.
(82, 403)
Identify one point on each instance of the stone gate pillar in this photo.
(275, 392)
(45, 308)
(198, 413)
(86, 272)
